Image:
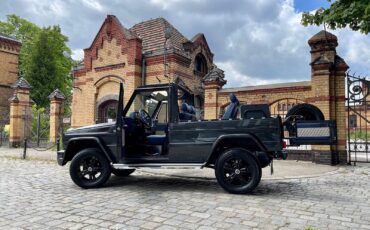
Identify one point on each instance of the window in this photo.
(107, 111)
(352, 121)
(201, 64)
(148, 101)
(162, 114)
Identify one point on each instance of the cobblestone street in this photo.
(39, 194)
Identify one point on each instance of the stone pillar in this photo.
(328, 91)
(213, 82)
(56, 114)
(20, 113)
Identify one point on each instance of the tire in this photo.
(237, 171)
(122, 172)
(308, 111)
(89, 168)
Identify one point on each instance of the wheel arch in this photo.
(75, 145)
(245, 141)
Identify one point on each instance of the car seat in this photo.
(232, 109)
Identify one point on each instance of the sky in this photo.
(254, 41)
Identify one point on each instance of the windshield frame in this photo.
(139, 91)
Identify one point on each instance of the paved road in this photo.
(36, 195)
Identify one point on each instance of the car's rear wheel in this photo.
(122, 172)
(237, 171)
(89, 168)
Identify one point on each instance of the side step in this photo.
(159, 166)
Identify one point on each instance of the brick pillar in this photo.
(20, 113)
(213, 82)
(56, 114)
(328, 91)
(339, 110)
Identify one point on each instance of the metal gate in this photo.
(4, 128)
(358, 117)
(37, 127)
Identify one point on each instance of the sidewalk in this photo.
(283, 169)
(31, 154)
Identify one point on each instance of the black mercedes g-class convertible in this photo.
(158, 129)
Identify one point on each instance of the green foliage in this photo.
(46, 67)
(19, 28)
(360, 135)
(42, 61)
(342, 13)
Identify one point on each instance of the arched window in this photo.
(107, 111)
(200, 64)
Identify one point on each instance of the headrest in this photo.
(187, 108)
(233, 98)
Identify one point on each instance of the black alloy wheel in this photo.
(237, 171)
(90, 168)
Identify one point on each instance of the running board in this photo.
(159, 166)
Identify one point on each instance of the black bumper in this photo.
(60, 157)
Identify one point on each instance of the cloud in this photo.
(93, 4)
(233, 75)
(77, 54)
(254, 41)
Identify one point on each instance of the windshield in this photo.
(148, 101)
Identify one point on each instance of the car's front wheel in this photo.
(237, 171)
(89, 168)
(122, 172)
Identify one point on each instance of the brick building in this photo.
(150, 52)
(154, 51)
(325, 94)
(9, 52)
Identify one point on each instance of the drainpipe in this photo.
(143, 70)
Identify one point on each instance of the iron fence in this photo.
(357, 106)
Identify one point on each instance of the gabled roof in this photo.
(153, 34)
(108, 27)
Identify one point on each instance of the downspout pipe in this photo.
(143, 70)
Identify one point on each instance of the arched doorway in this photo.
(107, 111)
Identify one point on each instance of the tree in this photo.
(46, 67)
(19, 28)
(342, 13)
(41, 60)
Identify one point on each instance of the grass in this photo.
(360, 135)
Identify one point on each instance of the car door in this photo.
(187, 143)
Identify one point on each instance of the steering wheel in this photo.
(145, 118)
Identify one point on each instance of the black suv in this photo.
(158, 129)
